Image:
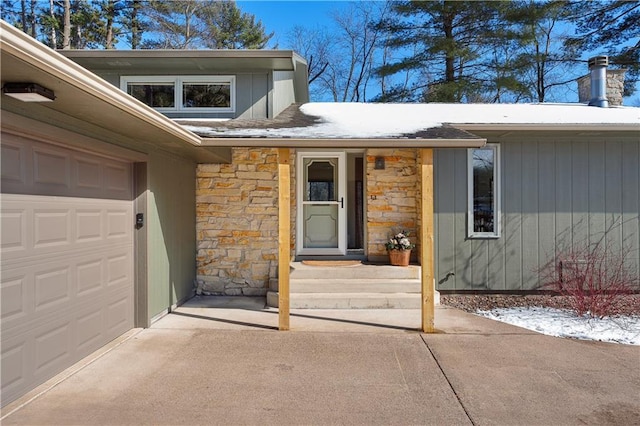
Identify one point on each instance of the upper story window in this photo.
(184, 93)
(484, 192)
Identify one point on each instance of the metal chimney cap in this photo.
(598, 61)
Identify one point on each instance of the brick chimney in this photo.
(608, 85)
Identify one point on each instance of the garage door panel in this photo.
(88, 173)
(14, 232)
(62, 331)
(14, 366)
(89, 225)
(67, 224)
(51, 169)
(90, 333)
(13, 162)
(40, 289)
(51, 228)
(14, 297)
(118, 270)
(118, 224)
(67, 264)
(89, 277)
(52, 346)
(118, 180)
(52, 287)
(117, 316)
(34, 167)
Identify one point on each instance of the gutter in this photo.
(596, 127)
(27, 49)
(265, 142)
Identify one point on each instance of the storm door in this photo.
(321, 203)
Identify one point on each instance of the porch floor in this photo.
(252, 313)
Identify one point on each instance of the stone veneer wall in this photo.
(391, 199)
(615, 87)
(237, 223)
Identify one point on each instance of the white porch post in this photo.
(427, 241)
(284, 236)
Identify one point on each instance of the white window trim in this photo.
(497, 210)
(178, 81)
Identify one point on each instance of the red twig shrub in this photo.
(594, 278)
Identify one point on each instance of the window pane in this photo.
(320, 178)
(205, 95)
(159, 95)
(483, 190)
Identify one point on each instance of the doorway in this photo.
(330, 194)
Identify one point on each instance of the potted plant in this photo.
(399, 247)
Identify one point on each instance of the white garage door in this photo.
(67, 258)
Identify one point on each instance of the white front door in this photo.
(321, 226)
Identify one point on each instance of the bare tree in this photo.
(341, 61)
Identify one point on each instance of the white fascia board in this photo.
(596, 127)
(343, 143)
(27, 49)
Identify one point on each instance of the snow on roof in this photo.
(369, 120)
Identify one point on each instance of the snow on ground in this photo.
(565, 323)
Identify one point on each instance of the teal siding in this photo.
(556, 193)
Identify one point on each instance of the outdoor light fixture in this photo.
(28, 92)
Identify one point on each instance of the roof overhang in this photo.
(185, 61)
(344, 143)
(294, 129)
(87, 104)
(596, 127)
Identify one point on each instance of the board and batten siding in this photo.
(283, 91)
(555, 193)
(252, 93)
(172, 239)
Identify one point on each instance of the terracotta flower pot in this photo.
(399, 257)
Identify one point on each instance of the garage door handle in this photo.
(139, 220)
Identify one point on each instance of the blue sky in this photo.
(281, 16)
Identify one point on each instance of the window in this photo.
(156, 95)
(186, 93)
(484, 192)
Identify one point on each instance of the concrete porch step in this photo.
(359, 285)
(301, 271)
(349, 300)
(351, 287)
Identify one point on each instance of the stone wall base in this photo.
(210, 286)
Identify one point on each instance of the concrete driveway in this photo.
(226, 365)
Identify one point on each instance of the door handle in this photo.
(342, 202)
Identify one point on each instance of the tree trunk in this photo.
(110, 9)
(54, 37)
(23, 16)
(66, 30)
(34, 19)
(135, 36)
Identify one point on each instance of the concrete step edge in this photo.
(350, 300)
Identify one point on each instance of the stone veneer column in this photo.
(391, 199)
(237, 223)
